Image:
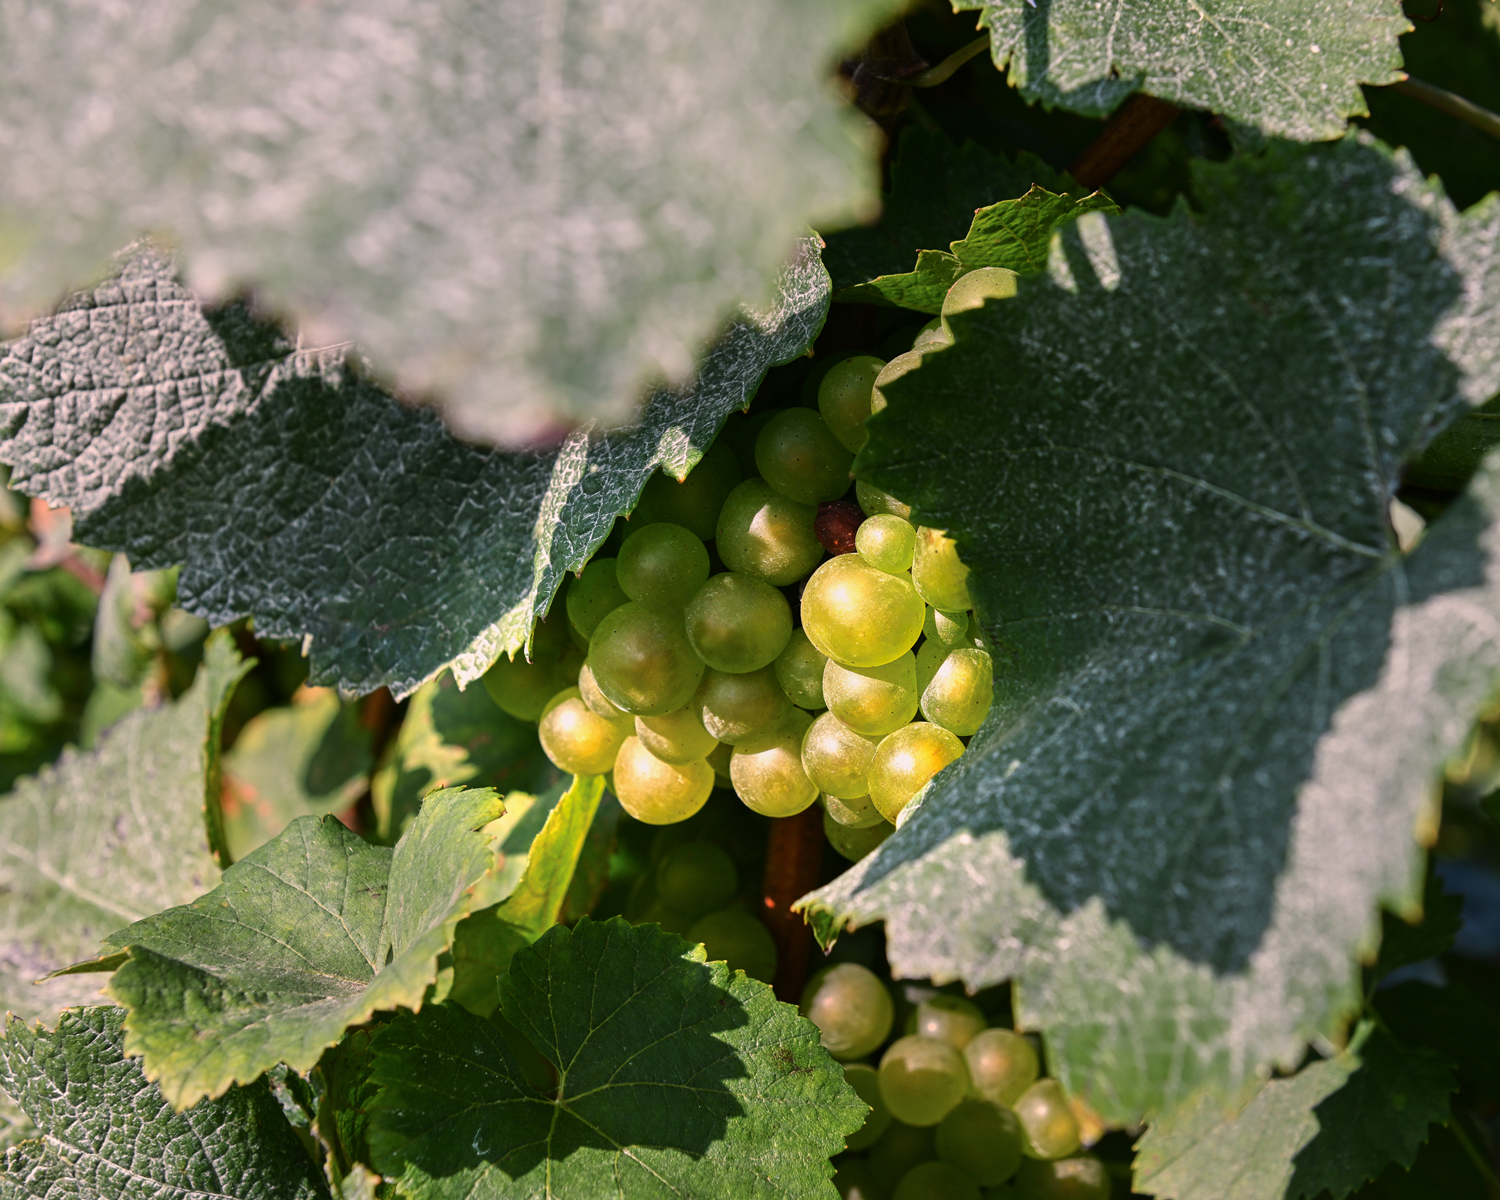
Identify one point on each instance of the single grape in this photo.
(659, 793)
(875, 502)
(736, 707)
(891, 372)
(836, 758)
(594, 593)
(951, 629)
(662, 565)
(521, 687)
(676, 737)
(865, 1081)
(856, 1179)
(737, 623)
(959, 693)
(696, 877)
(718, 759)
(762, 533)
(858, 615)
(837, 525)
(578, 741)
(905, 761)
(922, 1079)
(973, 289)
(798, 455)
(739, 940)
(767, 770)
(844, 398)
(799, 670)
(932, 337)
(854, 842)
(598, 703)
(982, 1137)
(872, 701)
(887, 543)
(850, 1007)
(900, 1148)
(936, 1181)
(1048, 1121)
(643, 661)
(1002, 1065)
(937, 572)
(950, 1019)
(695, 502)
(855, 812)
(1077, 1177)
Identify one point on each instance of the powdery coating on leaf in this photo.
(1221, 693)
(1291, 67)
(674, 1077)
(108, 1133)
(528, 208)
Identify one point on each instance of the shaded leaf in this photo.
(1456, 453)
(591, 874)
(1454, 1021)
(1403, 943)
(344, 1116)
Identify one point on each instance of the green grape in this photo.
(949, 628)
(844, 398)
(865, 1081)
(982, 1137)
(659, 793)
(872, 701)
(891, 372)
(598, 703)
(932, 337)
(521, 687)
(696, 877)
(738, 939)
(767, 770)
(855, 812)
(886, 543)
(736, 707)
(799, 670)
(798, 455)
(718, 759)
(659, 912)
(856, 1179)
(1077, 1177)
(905, 761)
(850, 1007)
(695, 502)
(922, 1079)
(643, 661)
(1002, 1065)
(937, 572)
(973, 289)
(930, 656)
(836, 758)
(737, 623)
(936, 1181)
(860, 616)
(1051, 1128)
(577, 740)
(762, 533)
(593, 594)
(662, 565)
(950, 1019)
(959, 693)
(901, 1148)
(676, 737)
(875, 502)
(739, 434)
(854, 842)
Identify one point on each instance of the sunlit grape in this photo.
(767, 770)
(798, 455)
(596, 700)
(836, 758)
(851, 1008)
(521, 687)
(844, 398)
(577, 740)
(676, 737)
(734, 707)
(854, 812)
(951, 629)
(662, 565)
(737, 623)
(860, 616)
(872, 701)
(659, 793)
(939, 575)
(695, 502)
(738, 939)
(982, 1137)
(892, 371)
(922, 1079)
(951, 1019)
(642, 660)
(696, 877)
(1002, 1065)
(974, 289)
(875, 502)
(936, 1180)
(762, 533)
(1048, 1121)
(866, 1084)
(799, 670)
(887, 543)
(905, 761)
(1077, 1177)
(959, 693)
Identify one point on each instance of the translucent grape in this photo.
(577, 740)
(762, 533)
(593, 594)
(855, 812)
(856, 1179)
(936, 1181)
(959, 694)
(937, 572)
(887, 543)
(1077, 1177)
(973, 289)
(872, 701)
(891, 372)
(875, 502)
(932, 336)
(736, 707)
(851, 1008)
(642, 660)
(659, 793)
(696, 877)
(598, 703)
(767, 770)
(982, 1137)
(1002, 1065)
(922, 1079)
(1051, 1128)
(675, 737)
(836, 758)
(950, 1019)
(854, 842)
(662, 565)
(718, 759)
(737, 623)
(866, 1084)
(949, 628)
(858, 615)
(901, 1148)
(844, 398)
(905, 761)
(522, 688)
(798, 455)
(799, 670)
(739, 940)
(695, 502)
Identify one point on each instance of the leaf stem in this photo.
(945, 69)
(1451, 103)
(1139, 120)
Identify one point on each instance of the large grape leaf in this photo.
(204, 438)
(107, 837)
(107, 1133)
(1290, 67)
(1222, 692)
(674, 1077)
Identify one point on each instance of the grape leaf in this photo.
(1456, 453)
(107, 837)
(1457, 1022)
(1292, 70)
(1222, 693)
(184, 436)
(310, 934)
(1403, 943)
(1334, 1125)
(107, 1133)
(674, 1077)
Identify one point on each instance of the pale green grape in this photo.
(854, 842)
(659, 793)
(762, 533)
(891, 372)
(939, 575)
(695, 502)
(959, 694)
(577, 740)
(982, 1137)
(738, 939)
(900, 1148)
(866, 1084)
(735, 707)
(922, 1079)
(598, 703)
(643, 661)
(1077, 1177)
(905, 761)
(1048, 1121)
(875, 502)
(676, 737)
(593, 594)
(799, 670)
(887, 543)
(859, 616)
(850, 1007)
(872, 701)
(1002, 1065)
(949, 628)
(932, 337)
(936, 1181)
(855, 812)
(767, 770)
(844, 398)
(836, 758)
(973, 289)
(798, 455)
(522, 688)
(662, 565)
(737, 623)
(951, 1019)
(718, 759)
(856, 1179)
(930, 656)
(696, 877)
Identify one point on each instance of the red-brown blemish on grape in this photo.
(836, 523)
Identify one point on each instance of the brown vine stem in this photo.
(1139, 120)
(1451, 103)
(794, 854)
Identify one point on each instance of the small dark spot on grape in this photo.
(836, 523)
